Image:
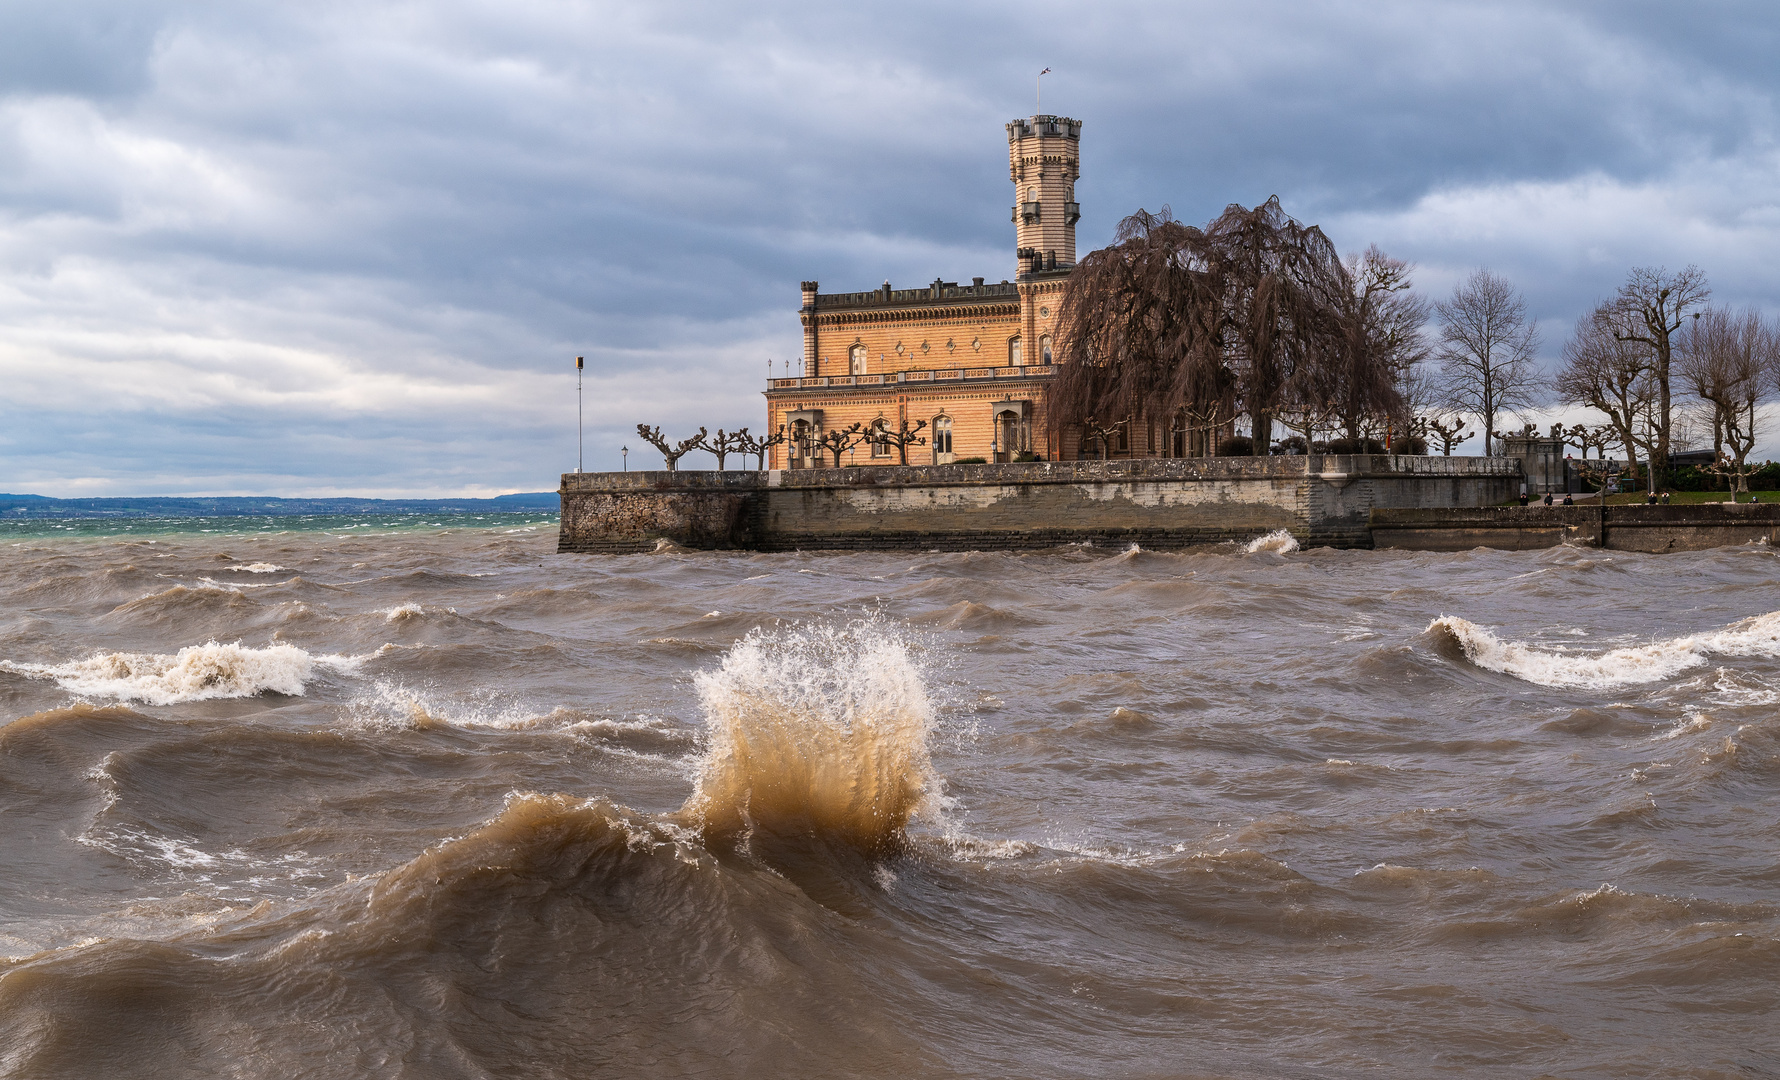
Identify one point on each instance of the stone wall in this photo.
(1620, 528)
(1160, 503)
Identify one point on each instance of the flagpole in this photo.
(578, 414)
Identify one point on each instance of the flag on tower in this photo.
(577, 363)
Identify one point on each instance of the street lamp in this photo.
(625, 450)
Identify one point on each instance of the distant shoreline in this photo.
(42, 507)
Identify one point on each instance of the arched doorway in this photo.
(942, 440)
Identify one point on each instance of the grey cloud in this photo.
(377, 191)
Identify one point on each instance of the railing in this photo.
(945, 375)
(945, 290)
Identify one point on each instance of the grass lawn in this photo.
(1691, 498)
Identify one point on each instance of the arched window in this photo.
(856, 360)
(942, 440)
(1014, 356)
(1044, 349)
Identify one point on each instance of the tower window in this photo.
(1044, 349)
(856, 360)
(1014, 356)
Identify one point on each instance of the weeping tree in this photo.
(1255, 314)
(1139, 328)
(1280, 289)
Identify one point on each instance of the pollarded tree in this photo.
(838, 441)
(1650, 309)
(725, 443)
(671, 452)
(759, 447)
(902, 436)
(1487, 343)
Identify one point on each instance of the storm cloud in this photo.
(354, 247)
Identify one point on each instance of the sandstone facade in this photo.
(970, 360)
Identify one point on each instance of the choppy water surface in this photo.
(438, 802)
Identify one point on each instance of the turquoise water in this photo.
(349, 524)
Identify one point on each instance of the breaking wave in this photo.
(817, 729)
(1659, 660)
(195, 673)
(1279, 541)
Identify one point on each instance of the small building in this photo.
(971, 360)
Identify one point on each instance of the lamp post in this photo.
(578, 414)
(625, 450)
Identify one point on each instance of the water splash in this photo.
(821, 729)
(1279, 541)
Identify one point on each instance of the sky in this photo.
(354, 248)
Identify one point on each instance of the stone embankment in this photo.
(1621, 528)
(1324, 500)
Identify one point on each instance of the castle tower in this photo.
(1044, 160)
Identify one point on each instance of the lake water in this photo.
(422, 798)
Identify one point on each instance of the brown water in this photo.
(442, 803)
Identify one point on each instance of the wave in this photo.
(1659, 660)
(195, 673)
(1279, 541)
(257, 568)
(816, 729)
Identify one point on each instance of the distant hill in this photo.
(41, 506)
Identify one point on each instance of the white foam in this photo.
(195, 673)
(257, 568)
(1659, 660)
(1279, 541)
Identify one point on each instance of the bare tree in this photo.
(1379, 342)
(1651, 307)
(1104, 433)
(902, 437)
(1486, 350)
(1585, 438)
(1726, 360)
(1450, 430)
(838, 441)
(723, 444)
(1606, 372)
(760, 446)
(1305, 419)
(672, 453)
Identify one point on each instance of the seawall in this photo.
(1322, 500)
(1620, 528)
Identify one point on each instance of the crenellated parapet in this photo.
(1044, 162)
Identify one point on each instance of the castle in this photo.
(970, 360)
